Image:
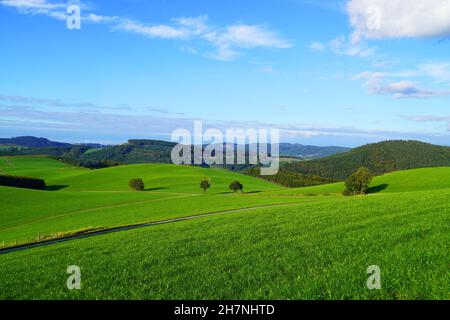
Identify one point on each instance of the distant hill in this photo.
(309, 152)
(32, 142)
(380, 158)
(138, 150)
(133, 152)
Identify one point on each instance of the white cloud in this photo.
(250, 36)
(317, 46)
(407, 90)
(243, 36)
(266, 69)
(376, 84)
(154, 31)
(95, 18)
(228, 41)
(55, 10)
(439, 71)
(431, 118)
(378, 19)
(343, 46)
(32, 4)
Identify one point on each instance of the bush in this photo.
(205, 185)
(136, 184)
(359, 182)
(236, 186)
(22, 182)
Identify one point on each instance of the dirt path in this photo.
(142, 225)
(111, 206)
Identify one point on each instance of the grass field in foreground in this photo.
(317, 250)
(54, 217)
(316, 247)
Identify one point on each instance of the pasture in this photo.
(306, 243)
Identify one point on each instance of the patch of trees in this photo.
(136, 184)
(379, 158)
(359, 182)
(205, 185)
(236, 186)
(22, 182)
(290, 179)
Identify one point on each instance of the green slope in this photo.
(380, 158)
(399, 181)
(37, 167)
(308, 248)
(86, 199)
(313, 251)
(161, 177)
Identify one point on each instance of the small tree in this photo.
(359, 182)
(136, 184)
(205, 185)
(236, 186)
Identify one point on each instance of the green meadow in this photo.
(306, 243)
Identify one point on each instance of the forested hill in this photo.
(380, 158)
(32, 142)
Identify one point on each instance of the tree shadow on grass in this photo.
(155, 189)
(378, 188)
(55, 187)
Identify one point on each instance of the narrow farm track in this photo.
(137, 226)
(120, 205)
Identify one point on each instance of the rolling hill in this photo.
(379, 158)
(311, 251)
(399, 181)
(269, 243)
(135, 151)
(32, 142)
(163, 177)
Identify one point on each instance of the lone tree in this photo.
(136, 184)
(236, 186)
(205, 185)
(359, 182)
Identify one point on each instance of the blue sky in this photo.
(323, 72)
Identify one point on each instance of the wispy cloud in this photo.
(266, 69)
(379, 83)
(431, 118)
(21, 118)
(317, 46)
(440, 71)
(52, 9)
(343, 46)
(227, 42)
(29, 101)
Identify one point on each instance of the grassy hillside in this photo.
(285, 245)
(399, 181)
(315, 250)
(380, 158)
(37, 167)
(86, 199)
(158, 177)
